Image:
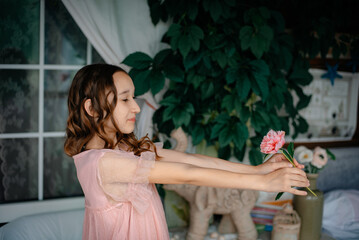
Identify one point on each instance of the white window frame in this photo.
(11, 211)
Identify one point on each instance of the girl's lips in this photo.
(132, 119)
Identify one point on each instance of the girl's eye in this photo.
(125, 100)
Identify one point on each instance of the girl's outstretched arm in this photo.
(114, 169)
(281, 180)
(276, 162)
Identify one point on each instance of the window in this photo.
(41, 48)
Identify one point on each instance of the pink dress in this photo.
(132, 209)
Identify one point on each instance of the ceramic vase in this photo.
(310, 210)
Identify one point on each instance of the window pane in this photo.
(19, 169)
(64, 41)
(60, 179)
(57, 84)
(19, 31)
(19, 94)
(96, 58)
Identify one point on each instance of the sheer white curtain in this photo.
(117, 28)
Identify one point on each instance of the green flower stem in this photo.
(289, 158)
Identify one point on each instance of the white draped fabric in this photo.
(117, 28)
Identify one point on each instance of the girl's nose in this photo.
(135, 108)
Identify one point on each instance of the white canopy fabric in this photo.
(116, 29)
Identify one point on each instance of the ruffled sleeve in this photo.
(144, 165)
(131, 173)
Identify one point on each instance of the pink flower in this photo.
(320, 157)
(272, 142)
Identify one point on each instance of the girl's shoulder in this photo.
(101, 152)
(98, 153)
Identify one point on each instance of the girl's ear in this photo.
(88, 107)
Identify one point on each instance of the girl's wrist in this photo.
(257, 169)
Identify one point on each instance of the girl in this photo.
(117, 172)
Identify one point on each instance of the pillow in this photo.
(66, 225)
(341, 173)
(341, 214)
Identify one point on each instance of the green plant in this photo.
(232, 67)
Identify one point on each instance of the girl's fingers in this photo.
(296, 183)
(300, 172)
(282, 164)
(297, 164)
(298, 192)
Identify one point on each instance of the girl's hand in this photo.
(282, 180)
(276, 162)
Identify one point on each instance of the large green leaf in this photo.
(180, 114)
(261, 73)
(175, 30)
(161, 56)
(244, 114)
(184, 45)
(258, 46)
(195, 43)
(260, 67)
(174, 73)
(239, 153)
(241, 135)
(181, 118)
(192, 10)
(189, 108)
(255, 157)
(223, 118)
(243, 86)
(289, 104)
(207, 90)
(214, 7)
(245, 36)
(195, 79)
(275, 121)
(196, 31)
(290, 149)
(225, 136)
(302, 125)
(264, 12)
(141, 81)
(192, 59)
(168, 113)
(170, 100)
(198, 134)
(300, 74)
(155, 11)
(267, 34)
(231, 75)
(138, 60)
(224, 152)
(157, 81)
(216, 130)
(220, 57)
(228, 102)
(257, 121)
(303, 102)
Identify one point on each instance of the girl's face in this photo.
(126, 107)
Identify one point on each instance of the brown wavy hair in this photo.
(95, 82)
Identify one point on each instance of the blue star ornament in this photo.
(332, 73)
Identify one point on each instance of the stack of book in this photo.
(263, 214)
